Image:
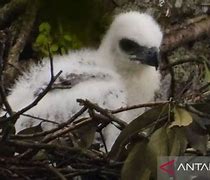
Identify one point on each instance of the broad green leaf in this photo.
(196, 135)
(141, 162)
(177, 141)
(41, 39)
(54, 48)
(44, 27)
(67, 37)
(134, 167)
(135, 127)
(181, 117)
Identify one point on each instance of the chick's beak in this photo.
(148, 56)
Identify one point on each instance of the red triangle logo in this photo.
(168, 167)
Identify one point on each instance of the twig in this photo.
(103, 141)
(56, 172)
(60, 126)
(30, 153)
(13, 118)
(193, 110)
(139, 106)
(61, 132)
(104, 112)
(39, 145)
(36, 101)
(40, 119)
(51, 62)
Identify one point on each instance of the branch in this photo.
(60, 126)
(11, 9)
(26, 24)
(104, 112)
(128, 108)
(2, 89)
(185, 34)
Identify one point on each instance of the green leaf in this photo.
(134, 167)
(177, 141)
(41, 155)
(135, 127)
(41, 40)
(181, 117)
(197, 134)
(141, 162)
(67, 37)
(54, 48)
(45, 27)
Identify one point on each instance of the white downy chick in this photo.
(122, 71)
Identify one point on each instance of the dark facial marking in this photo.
(140, 53)
(129, 46)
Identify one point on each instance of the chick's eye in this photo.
(128, 45)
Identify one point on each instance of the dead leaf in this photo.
(181, 117)
(31, 130)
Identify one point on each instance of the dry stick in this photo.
(104, 112)
(30, 153)
(15, 116)
(36, 145)
(56, 172)
(65, 124)
(51, 137)
(40, 119)
(60, 126)
(152, 104)
(193, 110)
(36, 101)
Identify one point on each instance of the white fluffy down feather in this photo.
(111, 76)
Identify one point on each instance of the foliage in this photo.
(59, 44)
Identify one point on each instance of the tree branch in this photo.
(185, 34)
(11, 9)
